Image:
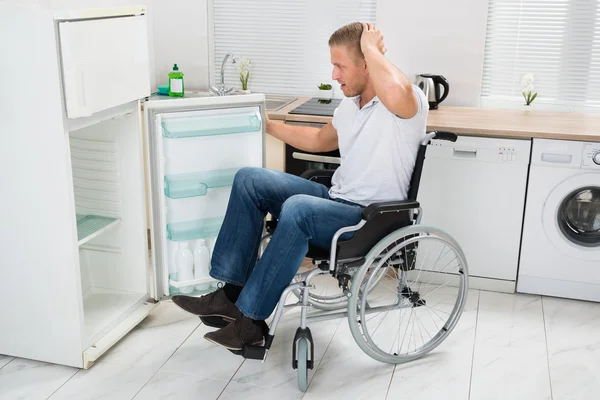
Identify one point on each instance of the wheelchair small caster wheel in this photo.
(302, 365)
(303, 355)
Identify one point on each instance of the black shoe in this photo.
(243, 331)
(215, 304)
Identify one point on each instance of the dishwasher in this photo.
(474, 189)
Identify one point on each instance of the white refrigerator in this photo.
(79, 129)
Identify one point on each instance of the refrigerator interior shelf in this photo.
(198, 229)
(91, 226)
(197, 184)
(208, 126)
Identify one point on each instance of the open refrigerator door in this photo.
(195, 147)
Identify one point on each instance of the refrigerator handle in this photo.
(75, 88)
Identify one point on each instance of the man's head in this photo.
(349, 66)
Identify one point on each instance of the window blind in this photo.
(285, 40)
(558, 41)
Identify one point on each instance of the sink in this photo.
(199, 94)
(274, 103)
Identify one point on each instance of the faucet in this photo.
(221, 90)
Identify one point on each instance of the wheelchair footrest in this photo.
(214, 322)
(251, 352)
(255, 352)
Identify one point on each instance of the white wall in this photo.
(439, 37)
(181, 37)
(426, 36)
(177, 33)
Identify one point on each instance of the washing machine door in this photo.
(572, 217)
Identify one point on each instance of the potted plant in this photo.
(325, 91)
(527, 86)
(244, 71)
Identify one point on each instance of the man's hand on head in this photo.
(371, 39)
(391, 86)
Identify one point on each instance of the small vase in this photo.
(325, 94)
(245, 91)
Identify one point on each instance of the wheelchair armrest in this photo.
(373, 209)
(322, 176)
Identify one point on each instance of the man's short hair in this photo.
(349, 35)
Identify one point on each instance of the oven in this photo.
(297, 161)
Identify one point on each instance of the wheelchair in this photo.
(402, 286)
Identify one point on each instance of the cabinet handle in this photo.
(465, 153)
(557, 158)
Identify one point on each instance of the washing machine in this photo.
(560, 251)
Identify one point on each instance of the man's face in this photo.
(351, 77)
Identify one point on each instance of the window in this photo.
(558, 41)
(285, 40)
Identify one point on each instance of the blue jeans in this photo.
(305, 213)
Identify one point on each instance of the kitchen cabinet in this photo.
(275, 152)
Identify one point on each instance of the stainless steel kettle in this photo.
(430, 85)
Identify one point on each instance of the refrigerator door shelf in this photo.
(206, 285)
(180, 284)
(190, 230)
(180, 186)
(220, 124)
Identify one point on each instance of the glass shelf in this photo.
(196, 184)
(198, 229)
(90, 226)
(208, 126)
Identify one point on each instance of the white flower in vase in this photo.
(527, 89)
(244, 71)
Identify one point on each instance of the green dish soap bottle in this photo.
(176, 82)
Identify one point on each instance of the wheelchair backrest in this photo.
(413, 191)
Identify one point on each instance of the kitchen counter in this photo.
(522, 124)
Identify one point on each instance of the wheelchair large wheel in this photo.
(419, 300)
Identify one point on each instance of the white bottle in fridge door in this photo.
(185, 266)
(201, 263)
(210, 243)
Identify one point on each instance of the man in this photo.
(377, 127)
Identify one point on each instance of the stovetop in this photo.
(316, 106)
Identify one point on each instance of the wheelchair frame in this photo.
(304, 286)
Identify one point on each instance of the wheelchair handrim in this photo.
(361, 333)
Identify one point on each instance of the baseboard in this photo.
(492, 285)
(559, 288)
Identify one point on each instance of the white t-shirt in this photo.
(378, 150)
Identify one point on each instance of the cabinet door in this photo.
(275, 153)
(104, 62)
